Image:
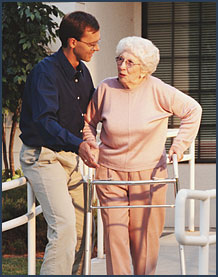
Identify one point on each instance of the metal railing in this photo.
(190, 157)
(29, 218)
(204, 239)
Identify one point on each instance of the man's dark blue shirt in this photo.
(54, 102)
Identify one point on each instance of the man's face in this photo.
(87, 45)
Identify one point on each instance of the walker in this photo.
(91, 183)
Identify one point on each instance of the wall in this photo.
(116, 20)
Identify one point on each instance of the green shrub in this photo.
(18, 266)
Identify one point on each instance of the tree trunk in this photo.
(4, 148)
(11, 144)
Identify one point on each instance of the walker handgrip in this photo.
(175, 166)
(90, 173)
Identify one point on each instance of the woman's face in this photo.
(129, 69)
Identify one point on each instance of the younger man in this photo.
(55, 99)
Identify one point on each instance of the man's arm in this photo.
(86, 152)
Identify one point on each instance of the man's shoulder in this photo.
(48, 65)
(49, 61)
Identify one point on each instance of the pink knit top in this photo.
(135, 122)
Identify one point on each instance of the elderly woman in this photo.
(134, 109)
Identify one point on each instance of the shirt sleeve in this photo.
(45, 105)
(189, 111)
(92, 117)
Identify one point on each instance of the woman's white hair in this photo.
(141, 48)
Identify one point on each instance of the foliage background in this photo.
(27, 30)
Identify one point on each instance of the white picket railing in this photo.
(29, 218)
(204, 239)
(190, 157)
(32, 211)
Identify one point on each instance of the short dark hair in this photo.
(74, 24)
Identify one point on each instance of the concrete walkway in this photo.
(169, 262)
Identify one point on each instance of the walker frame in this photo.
(90, 207)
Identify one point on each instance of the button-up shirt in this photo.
(54, 103)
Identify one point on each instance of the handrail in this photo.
(21, 220)
(29, 218)
(14, 184)
(204, 239)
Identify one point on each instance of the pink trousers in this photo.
(132, 235)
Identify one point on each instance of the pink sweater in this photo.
(135, 122)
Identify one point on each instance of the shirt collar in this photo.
(68, 68)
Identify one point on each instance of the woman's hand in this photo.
(172, 151)
(87, 153)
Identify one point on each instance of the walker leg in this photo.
(87, 259)
(176, 189)
(182, 259)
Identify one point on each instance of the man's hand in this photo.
(174, 151)
(86, 152)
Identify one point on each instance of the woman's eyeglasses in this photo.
(128, 63)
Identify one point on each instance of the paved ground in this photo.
(169, 262)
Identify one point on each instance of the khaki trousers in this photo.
(132, 235)
(58, 186)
